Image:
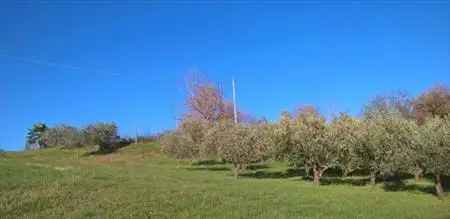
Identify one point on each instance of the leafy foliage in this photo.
(380, 145)
(63, 135)
(186, 141)
(434, 140)
(35, 137)
(179, 145)
(312, 143)
(102, 134)
(242, 145)
(344, 129)
(282, 137)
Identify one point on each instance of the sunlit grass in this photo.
(139, 182)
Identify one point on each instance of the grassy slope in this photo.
(139, 182)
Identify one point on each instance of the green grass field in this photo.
(139, 182)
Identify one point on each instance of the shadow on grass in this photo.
(207, 162)
(97, 152)
(216, 165)
(400, 185)
(208, 168)
(343, 181)
(261, 174)
(257, 166)
(331, 178)
(208, 165)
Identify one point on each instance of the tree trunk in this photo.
(236, 171)
(317, 175)
(418, 174)
(346, 172)
(438, 186)
(373, 177)
(307, 170)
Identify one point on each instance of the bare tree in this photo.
(399, 102)
(206, 101)
(433, 102)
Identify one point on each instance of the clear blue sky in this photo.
(79, 63)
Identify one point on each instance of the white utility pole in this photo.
(234, 101)
(136, 137)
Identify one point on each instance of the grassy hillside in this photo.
(139, 182)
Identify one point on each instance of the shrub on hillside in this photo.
(122, 142)
(63, 135)
(189, 141)
(35, 137)
(209, 148)
(179, 145)
(102, 134)
(194, 129)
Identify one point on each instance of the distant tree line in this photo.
(396, 134)
(104, 135)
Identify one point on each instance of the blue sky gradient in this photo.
(79, 63)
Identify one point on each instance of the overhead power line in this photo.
(57, 65)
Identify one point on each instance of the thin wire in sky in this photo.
(56, 65)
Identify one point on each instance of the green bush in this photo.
(63, 135)
(179, 145)
(242, 144)
(434, 140)
(185, 142)
(312, 143)
(102, 134)
(35, 137)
